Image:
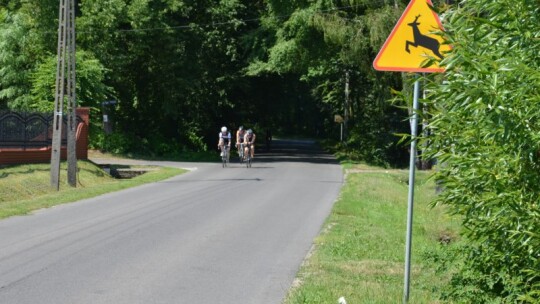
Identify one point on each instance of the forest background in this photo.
(180, 69)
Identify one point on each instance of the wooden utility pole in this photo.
(72, 101)
(347, 107)
(65, 86)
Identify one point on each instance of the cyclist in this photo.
(224, 139)
(249, 141)
(240, 139)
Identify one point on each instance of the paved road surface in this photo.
(213, 235)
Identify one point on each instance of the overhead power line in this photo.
(213, 24)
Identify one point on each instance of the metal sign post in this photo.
(410, 43)
(410, 201)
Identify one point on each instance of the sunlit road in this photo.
(212, 235)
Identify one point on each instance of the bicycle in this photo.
(225, 156)
(241, 152)
(248, 156)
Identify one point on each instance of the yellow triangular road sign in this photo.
(412, 41)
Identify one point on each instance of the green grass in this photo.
(24, 188)
(360, 253)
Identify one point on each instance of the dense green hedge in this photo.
(487, 140)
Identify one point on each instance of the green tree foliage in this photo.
(487, 142)
(173, 65)
(319, 42)
(89, 80)
(17, 59)
(180, 69)
(28, 45)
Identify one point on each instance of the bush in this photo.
(487, 137)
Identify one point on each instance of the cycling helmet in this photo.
(241, 128)
(250, 131)
(223, 129)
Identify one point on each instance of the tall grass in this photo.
(360, 253)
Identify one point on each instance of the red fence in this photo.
(32, 154)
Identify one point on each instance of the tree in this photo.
(175, 60)
(28, 58)
(90, 87)
(322, 42)
(17, 60)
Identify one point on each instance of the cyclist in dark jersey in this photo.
(240, 139)
(249, 139)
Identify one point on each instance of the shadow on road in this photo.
(288, 150)
(281, 150)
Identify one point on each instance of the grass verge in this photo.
(187, 156)
(25, 188)
(360, 254)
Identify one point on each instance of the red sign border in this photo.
(391, 36)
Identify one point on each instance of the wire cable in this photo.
(213, 24)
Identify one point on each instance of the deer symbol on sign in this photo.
(422, 40)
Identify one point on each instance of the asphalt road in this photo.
(212, 235)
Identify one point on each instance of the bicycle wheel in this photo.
(224, 158)
(241, 154)
(248, 157)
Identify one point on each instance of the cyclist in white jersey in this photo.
(224, 139)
